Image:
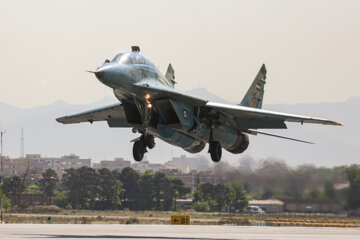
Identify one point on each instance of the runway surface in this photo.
(192, 232)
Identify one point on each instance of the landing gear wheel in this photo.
(138, 150)
(215, 151)
(149, 140)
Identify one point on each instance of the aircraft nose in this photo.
(100, 73)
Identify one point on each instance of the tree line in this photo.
(87, 188)
(275, 179)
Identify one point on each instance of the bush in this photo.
(132, 221)
(43, 209)
(33, 189)
(61, 200)
(201, 206)
(7, 203)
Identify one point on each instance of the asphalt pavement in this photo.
(190, 232)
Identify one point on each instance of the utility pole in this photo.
(2, 173)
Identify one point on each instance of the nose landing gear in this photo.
(139, 147)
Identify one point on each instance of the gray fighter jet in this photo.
(149, 104)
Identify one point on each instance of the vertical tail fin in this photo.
(254, 96)
(170, 74)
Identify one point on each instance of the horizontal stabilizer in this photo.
(272, 135)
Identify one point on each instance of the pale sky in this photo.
(311, 48)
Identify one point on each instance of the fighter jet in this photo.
(150, 105)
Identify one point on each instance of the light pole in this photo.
(2, 172)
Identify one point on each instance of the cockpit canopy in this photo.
(131, 58)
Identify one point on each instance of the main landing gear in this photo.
(139, 148)
(215, 151)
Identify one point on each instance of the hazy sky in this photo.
(311, 48)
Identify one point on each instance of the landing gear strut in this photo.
(139, 148)
(215, 151)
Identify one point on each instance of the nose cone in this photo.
(110, 74)
(100, 73)
(104, 73)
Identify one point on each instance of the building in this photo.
(269, 205)
(117, 164)
(20, 166)
(144, 166)
(193, 179)
(8, 169)
(74, 161)
(188, 164)
(34, 165)
(312, 206)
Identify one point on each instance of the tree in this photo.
(219, 197)
(230, 196)
(110, 190)
(240, 201)
(82, 185)
(213, 195)
(130, 179)
(201, 206)
(353, 193)
(7, 203)
(13, 185)
(329, 191)
(179, 188)
(117, 195)
(164, 192)
(72, 181)
(61, 199)
(204, 192)
(32, 189)
(315, 194)
(147, 191)
(49, 182)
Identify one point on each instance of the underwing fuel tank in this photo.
(179, 139)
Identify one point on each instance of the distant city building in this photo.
(34, 165)
(117, 164)
(144, 166)
(188, 164)
(74, 161)
(191, 180)
(8, 170)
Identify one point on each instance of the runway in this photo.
(171, 232)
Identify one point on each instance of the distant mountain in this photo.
(335, 145)
(202, 92)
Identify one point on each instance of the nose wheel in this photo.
(215, 151)
(139, 147)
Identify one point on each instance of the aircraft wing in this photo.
(112, 113)
(244, 117)
(254, 118)
(157, 90)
